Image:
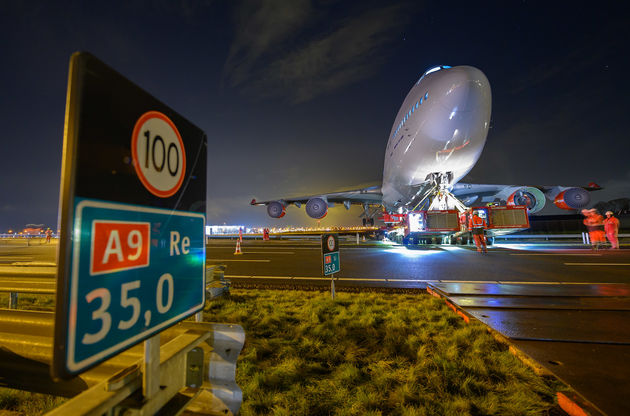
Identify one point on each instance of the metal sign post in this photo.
(330, 258)
(131, 258)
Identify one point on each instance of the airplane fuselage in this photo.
(441, 128)
(436, 139)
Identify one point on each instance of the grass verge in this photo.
(16, 402)
(361, 354)
(373, 354)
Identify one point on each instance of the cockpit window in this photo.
(434, 69)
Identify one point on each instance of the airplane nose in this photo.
(465, 89)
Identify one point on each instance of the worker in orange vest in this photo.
(595, 226)
(611, 226)
(478, 226)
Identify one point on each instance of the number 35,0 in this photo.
(126, 301)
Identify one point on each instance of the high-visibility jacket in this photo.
(611, 225)
(478, 222)
(594, 222)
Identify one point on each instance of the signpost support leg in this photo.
(332, 285)
(151, 373)
(13, 300)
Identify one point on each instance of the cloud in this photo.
(260, 26)
(276, 55)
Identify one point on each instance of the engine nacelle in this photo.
(531, 197)
(276, 209)
(317, 208)
(572, 198)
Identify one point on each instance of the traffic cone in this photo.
(238, 248)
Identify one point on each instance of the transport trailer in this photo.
(452, 226)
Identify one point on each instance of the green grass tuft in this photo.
(372, 354)
(26, 403)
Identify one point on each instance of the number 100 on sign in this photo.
(158, 153)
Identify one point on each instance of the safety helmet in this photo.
(609, 212)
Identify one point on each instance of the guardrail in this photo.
(582, 237)
(27, 240)
(26, 338)
(194, 364)
(40, 280)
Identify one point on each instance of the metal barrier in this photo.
(193, 368)
(22, 279)
(550, 236)
(24, 240)
(217, 285)
(41, 280)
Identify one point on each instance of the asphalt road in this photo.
(376, 264)
(395, 266)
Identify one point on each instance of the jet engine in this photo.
(276, 209)
(317, 208)
(572, 198)
(531, 197)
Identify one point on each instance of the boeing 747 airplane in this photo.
(436, 139)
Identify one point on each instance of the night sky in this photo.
(298, 97)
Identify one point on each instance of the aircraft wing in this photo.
(317, 205)
(534, 197)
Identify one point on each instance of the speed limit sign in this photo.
(158, 154)
(131, 257)
(330, 241)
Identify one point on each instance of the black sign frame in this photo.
(101, 109)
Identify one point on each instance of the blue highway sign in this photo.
(331, 263)
(145, 270)
(330, 254)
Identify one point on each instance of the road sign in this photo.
(331, 263)
(155, 137)
(131, 257)
(330, 254)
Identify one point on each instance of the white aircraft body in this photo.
(436, 139)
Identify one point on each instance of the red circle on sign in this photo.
(136, 163)
(331, 243)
